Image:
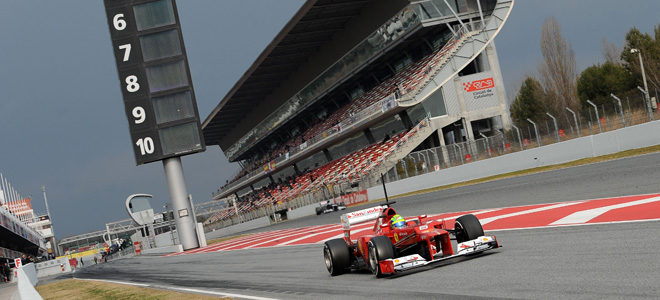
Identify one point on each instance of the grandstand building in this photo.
(350, 86)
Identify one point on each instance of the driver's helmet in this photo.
(397, 221)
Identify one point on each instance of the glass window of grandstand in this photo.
(173, 107)
(285, 176)
(160, 45)
(179, 138)
(261, 183)
(437, 8)
(167, 76)
(349, 145)
(435, 104)
(312, 162)
(478, 65)
(387, 129)
(416, 113)
(154, 14)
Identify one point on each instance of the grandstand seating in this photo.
(405, 80)
(357, 164)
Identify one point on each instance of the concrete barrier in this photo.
(304, 211)
(163, 250)
(53, 267)
(628, 138)
(27, 279)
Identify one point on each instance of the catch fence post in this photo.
(536, 131)
(623, 118)
(576, 121)
(556, 128)
(600, 129)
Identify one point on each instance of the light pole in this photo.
(641, 66)
(52, 229)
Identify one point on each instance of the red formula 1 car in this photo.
(422, 241)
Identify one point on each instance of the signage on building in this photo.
(480, 88)
(479, 91)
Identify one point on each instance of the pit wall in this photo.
(53, 267)
(638, 136)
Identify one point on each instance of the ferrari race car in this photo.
(327, 207)
(422, 241)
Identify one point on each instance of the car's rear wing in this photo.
(360, 216)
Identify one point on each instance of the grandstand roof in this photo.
(312, 26)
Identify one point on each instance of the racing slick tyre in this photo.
(380, 248)
(319, 211)
(337, 256)
(467, 227)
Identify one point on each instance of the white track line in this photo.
(267, 237)
(589, 214)
(529, 211)
(342, 234)
(478, 212)
(221, 294)
(116, 282)
(333, 228)
(237, 241)
(572, 225)
(189, 290)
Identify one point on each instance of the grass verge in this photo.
(575, 163)
(72, 289)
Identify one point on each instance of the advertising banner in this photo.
(354, 198)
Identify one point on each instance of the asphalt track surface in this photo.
(575, 262)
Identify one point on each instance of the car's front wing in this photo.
(405, 263)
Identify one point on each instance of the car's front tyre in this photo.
(337, 256)
(467, 227)
(379, 248)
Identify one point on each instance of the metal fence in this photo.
(553, 129)
(605, 117)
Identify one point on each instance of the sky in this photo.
(62, 121)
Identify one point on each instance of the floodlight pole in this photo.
(641, 66)
(600, 130)
(181, 208)
(50, 219)
(575, 119)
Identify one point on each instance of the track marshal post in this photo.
(158, 95)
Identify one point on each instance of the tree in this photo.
(529, 103)
(649, 48)
(598, 81)
(558, 68)
(611, 52)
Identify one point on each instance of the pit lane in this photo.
(595, 261)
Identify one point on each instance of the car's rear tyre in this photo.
(337, 256)
(380, 248)
(319, 211)
(467, 227)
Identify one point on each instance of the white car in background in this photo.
(327, 207)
